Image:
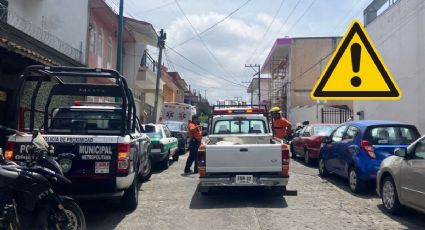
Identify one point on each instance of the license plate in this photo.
(244, 179)
(102, 167)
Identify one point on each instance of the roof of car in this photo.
(365, 123)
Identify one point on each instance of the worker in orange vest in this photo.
(281, 125)
(195, 137)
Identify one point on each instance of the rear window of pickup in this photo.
(90, 122)
(239, 126)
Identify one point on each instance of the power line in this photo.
(299, 19)
(215, 24)
(203, 42)
(202, 68)
(267, 30)
(158, 7)
(284, 22)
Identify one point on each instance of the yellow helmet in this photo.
(275, 109)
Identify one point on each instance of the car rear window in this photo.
(78, 121)
(323, 129)
(239, 126)
(392, 135)
(153, 131)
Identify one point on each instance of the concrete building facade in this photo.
(294, 66)
(399, 36)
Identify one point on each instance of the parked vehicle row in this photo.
(386, 153)
(112, 151)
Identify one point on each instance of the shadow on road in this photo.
(312, 165)
(103, 214)
(342, 183)
(221, 198)
(410, 218)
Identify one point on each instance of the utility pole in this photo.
(259, 83)
(119, 35)
(161, 45)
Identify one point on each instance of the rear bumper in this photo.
(157, 157)
(90, 188)
(230, 181)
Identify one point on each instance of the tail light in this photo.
(285, 160)
(157, 146)
(123, 158)
(202, 161)
(368, 147)
(318, 140)
(10, 148)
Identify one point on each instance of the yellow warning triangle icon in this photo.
(356, 71)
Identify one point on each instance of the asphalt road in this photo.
(170, 201)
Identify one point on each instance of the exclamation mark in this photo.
(356, 51)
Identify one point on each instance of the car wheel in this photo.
(323, 172)
(147, 171)
(176, 156)
(131, 197)
(165, 164)
(306, 157)
(389, 196)
(356, 185)
(293, 154)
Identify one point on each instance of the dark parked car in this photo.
(179, 130)
(307, 142)
(356, 149)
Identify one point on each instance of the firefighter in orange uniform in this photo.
(281, 126)
(195, 137)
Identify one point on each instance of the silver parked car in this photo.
(401, 178)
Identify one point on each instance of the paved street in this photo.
(170, 201)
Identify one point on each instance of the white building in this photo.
(140, 67)
(399, 35)
(60, 24)
(264, 89)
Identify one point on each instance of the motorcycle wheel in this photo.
(76, 219)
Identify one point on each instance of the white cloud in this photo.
(232, 42)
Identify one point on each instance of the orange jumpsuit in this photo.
(280, 126)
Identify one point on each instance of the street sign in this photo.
(356, 71)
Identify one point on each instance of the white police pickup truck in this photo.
(110, 151)
(240, 151)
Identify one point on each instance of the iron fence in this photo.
(336, 115)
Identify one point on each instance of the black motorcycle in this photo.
(27, 199)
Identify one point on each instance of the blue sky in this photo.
(225, 49)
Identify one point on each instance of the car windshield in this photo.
(239, 126)
(78, 121)
(153, 131)
(392, 135)
(324, 130)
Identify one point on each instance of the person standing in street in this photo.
(281, 125)
(195, 137)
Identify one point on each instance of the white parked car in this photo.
(401, 178)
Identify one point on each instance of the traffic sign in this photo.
(356, 71)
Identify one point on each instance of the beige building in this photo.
(295, 65)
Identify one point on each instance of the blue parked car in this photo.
(355, 149)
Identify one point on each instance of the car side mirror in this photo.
(400, 152)
(327, 140)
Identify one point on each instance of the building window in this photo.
(110, 51)
(93, 38)
(99, 48)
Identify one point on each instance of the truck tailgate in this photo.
(243, 158)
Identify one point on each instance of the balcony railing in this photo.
(40, 34)
(148, 62)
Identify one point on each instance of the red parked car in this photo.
(307, 143)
